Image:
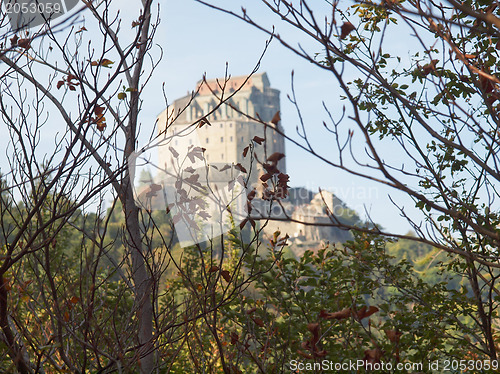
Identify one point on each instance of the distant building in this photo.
(226, 129)
(201, 146)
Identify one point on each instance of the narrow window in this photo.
(221, 139)
(231, 139)
(206, 140)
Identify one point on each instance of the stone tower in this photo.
(226, 129)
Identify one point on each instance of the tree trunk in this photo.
(142, 282)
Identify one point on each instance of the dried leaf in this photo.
(243, 223)
(225, 274)
(305, 355)
(74, 300)
(251, 310)
(24, 43)
(276, 118)
(101, 123)
(240, 167)
(258, 321)
(245, 151)
(346, 29)
(213, 269)
(98, 110)
(275, 157)
(373, 355)
(174, 152)
(258, 140)
(106, 63)
(13, 40)
(393, 335)
(251, 195)
(366, 312)
(430, 67)
(343, 314)
(265, 177)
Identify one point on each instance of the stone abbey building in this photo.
(202, 141)
(226, 128)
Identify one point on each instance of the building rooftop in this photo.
(210, 86)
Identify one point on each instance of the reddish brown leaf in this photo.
(225, 274)
(101, 123)
(393, 335)
(240, 167)
(106, 63)
(98, 110)
(430, 67)
(258, 140)
(373, 355)
(342, 314)
(276, 118)
(367, 312)
(305, 355)
(275, 157)
(203, 122)
(234, 338)
(243, 223)
(314, 329)
(251, 310)
(251, 195)
(24, 43)
(265, 177)
(213, 269)
(245, 151)
(60, 84)
(346, 29)
(74, 300)
(258, 321)
(13, 40)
